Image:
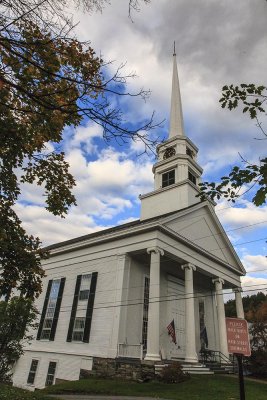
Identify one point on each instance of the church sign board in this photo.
(237, 336)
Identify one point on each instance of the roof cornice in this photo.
(142, 227)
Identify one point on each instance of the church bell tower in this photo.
(176, 172)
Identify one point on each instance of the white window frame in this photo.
(54, 376)
(82, 306)
(50, 310)
(31, 372)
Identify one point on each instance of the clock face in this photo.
(169, 152)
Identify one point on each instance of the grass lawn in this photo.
(10, 393)
(215, 387)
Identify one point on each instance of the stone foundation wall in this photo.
(123, 369)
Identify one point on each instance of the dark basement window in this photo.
(168, 178)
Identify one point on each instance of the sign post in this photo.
(238, 344)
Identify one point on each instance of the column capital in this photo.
(155, 249)
(122, 256)
(218, 280)
(237, 290)
(189, 266)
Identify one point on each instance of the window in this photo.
(145, 313)
(79, 323)
(85, 287)
(168, 178)
(51, 308)
(82, 308)
(51, 373)
(192, 177)
(32, 372)
(78, 329)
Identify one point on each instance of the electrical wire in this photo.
(160, 300)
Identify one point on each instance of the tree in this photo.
(16, 318)
(252, 98)
(258, 332)
(250, 303)
(255, 308)
(48, 80)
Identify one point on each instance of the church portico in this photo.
(189, 295)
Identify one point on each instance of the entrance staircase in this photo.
(197, 369)
(217, 362)
(211, 362)
(192, 369)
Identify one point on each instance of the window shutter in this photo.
(48, 290)
(90, 307)
(74, 308)
(56, 314)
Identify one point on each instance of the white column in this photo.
(153, 309)
(121, 296)
(238, 302)
(221, 316)
(190, 331)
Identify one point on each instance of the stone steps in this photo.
(220, 369)
(193, 369)
(197, 369)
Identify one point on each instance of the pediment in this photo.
(201, 226)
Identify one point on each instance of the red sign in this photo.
(237, 336)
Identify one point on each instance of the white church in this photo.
(110, 295)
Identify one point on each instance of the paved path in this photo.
(99, 397)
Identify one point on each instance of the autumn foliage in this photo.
(49, 80)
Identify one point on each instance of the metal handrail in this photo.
(214, 356)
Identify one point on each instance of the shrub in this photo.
(173, 373)
(258, 363)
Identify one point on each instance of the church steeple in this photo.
(176, 172)
(176, 116)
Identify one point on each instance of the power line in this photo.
(94, 266)
(240, 244)
(226, 231)
(160, 300)
(231, 230)
(165, 296)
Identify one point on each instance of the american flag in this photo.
(171, 331)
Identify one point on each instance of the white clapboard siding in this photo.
(68, 368)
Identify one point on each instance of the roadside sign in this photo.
(237, 336)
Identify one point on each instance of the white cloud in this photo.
(51, 229)
(105, 188)
(248, 215)
(254, 263)
(125, 221)
(82, 138)
(253, 285)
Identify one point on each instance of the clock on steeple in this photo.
(169, 152)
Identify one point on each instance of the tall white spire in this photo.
(176, 117)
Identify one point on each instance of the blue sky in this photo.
(217, 43)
